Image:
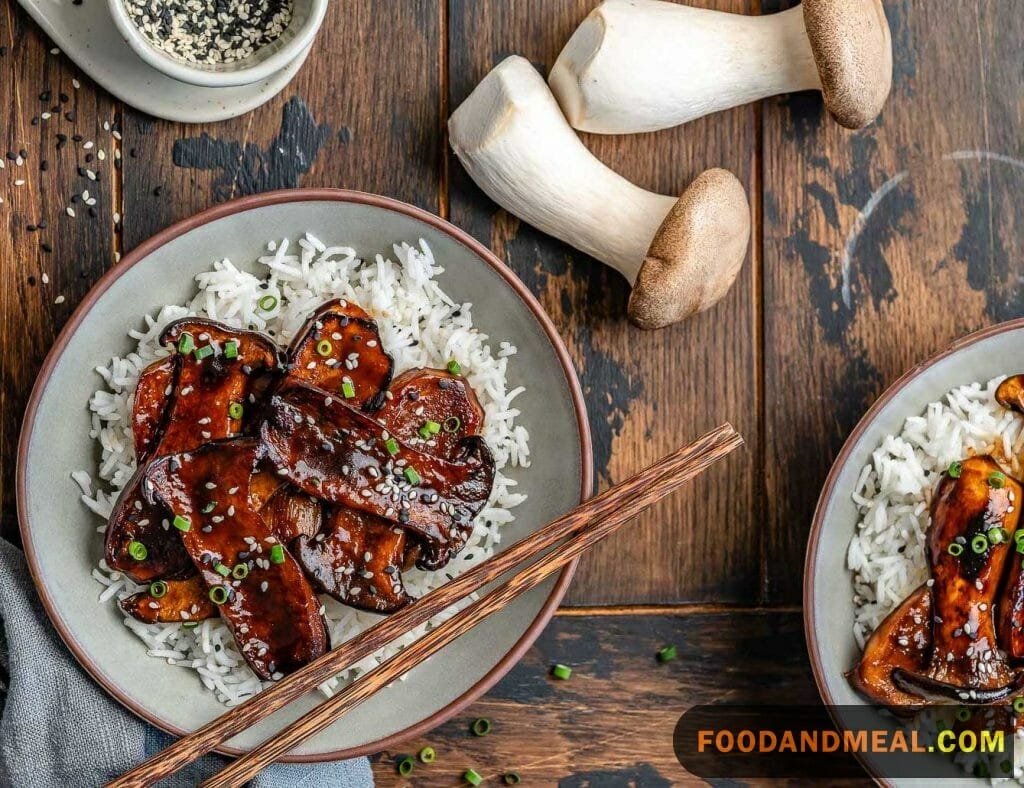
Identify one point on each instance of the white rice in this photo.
(893, 497)
(420, 326)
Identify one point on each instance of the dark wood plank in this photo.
(363, 113)
(611, 723)
(935, 247)
(61, 262)
(647, 393)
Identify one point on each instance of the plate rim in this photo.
(828, 492)
(224, 210)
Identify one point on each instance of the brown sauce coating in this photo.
(184, 600)
(271, 609)
(198, 410)
(340, 343)
(902, 640)
(342, 456)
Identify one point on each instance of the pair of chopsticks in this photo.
(577, 531)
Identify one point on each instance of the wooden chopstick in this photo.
(702, 454)
(682, 465)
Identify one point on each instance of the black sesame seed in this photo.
(47, 248)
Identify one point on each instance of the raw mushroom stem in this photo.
(643, 65)
(515, 143)
(683, 63)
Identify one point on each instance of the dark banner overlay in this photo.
(743, 742)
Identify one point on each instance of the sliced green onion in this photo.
(511, 778)
(979, 544)
(963, 714)
(405, 766)
(994, 535)
(186, 343)
(392, 446)
(240, 572)
(412, 475)
(218, 595)
(158, 589)
(277, 554)
(209, 507)
(235, 410)
(955, 549)
(454, 367)
(452, 424)
(203, 352)
(1018, 705)
(182, 523)
(954, 469)
(427, 755)
(189, 624)
(996, 479)
(481, 727)
(1020, 547)
(429, 429)
(347, 389)
(667, 654)
(138, 551)
(221, 569)
(472, 777)
(1004, 535)
(1018, 535)
(267, 303)
(561, 672)
(231, 349)
(324, 347)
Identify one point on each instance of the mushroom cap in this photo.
(852, 48)
(696, 254)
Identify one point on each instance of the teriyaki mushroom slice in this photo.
(149, 404)
(171, 602)
(357, 560)
(341, 455)
(339, 350)
(218, 368)
(432, 410)
(262, 594)
(971, 537)
(902, 640)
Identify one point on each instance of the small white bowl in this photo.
(307, 17)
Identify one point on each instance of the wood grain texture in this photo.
(62, 260)
(611, 723)
(885, 245)
(363, 113)
(645, 391)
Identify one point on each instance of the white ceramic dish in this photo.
(828, 609)
(59, 533)
(307, 17)
(87, 34)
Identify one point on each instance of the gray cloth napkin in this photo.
(59, 729)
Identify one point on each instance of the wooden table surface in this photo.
(871, 250)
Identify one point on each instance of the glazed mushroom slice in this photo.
(339, 350)
(681, 255)
(149, 404)
(1010, 393)
(342, 456)
(357, 560)
(217, 369)
(171, 602)
(969, 542)
(260, 590)
(291, 513)
(902, 640)
(644, 65)
(432, 410)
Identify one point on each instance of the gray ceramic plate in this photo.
(828, 610)
(161, 272)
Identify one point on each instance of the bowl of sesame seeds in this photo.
(218, 43)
